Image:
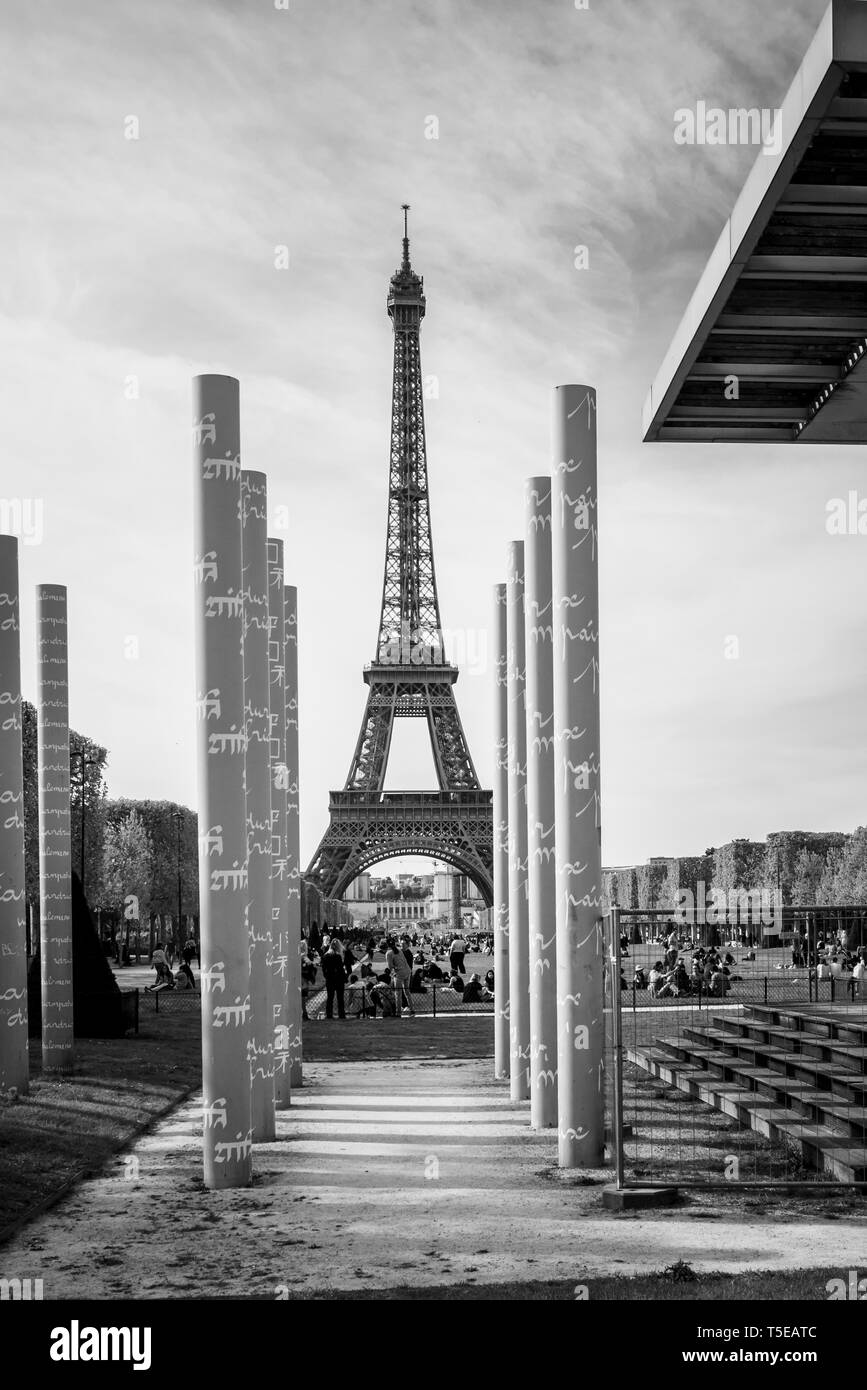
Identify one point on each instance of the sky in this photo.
(157, 157)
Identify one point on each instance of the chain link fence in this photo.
(728, 1065)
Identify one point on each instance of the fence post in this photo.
(156, 1001)
(766, 988)
(136, 1012)
(434, 985)
(617, 1041)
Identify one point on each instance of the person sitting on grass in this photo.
(185, 979)
(719, 982)
(164, 978)
(381, 996)
(657, 980)
(680, 980)
(639, 979)
(475, 992)
(456, 983)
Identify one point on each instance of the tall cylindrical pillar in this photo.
(279, 789)
(501, 839)
(293, 832)
(257, 729)
(541, 879)
(226, 995)
(578, 857)
(14, 1056)
(55, 881)
(519, 944)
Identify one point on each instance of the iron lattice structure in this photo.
(410, 677)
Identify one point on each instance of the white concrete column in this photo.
(577, 821)
(14, 1054)
(541, 877)
(500, 913)
(279, 786)
(293, 832)
(257, 729)
(55, 876)
(519, 944)
(226, 994)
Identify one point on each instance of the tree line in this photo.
(121, 849)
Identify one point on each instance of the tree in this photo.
(849, 884)
(94, 792)
(127, 867)
(806, 880)
(87, 762)
(159, 820)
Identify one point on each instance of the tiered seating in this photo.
(792, 1074)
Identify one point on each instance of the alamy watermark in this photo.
(740, 125)
(22, 517)
(757, 907)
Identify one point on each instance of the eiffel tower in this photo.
(410, 677)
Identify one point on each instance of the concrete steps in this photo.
(793, 1075)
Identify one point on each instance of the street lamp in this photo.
(83, 763)
(177, 817)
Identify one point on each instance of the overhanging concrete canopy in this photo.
(782, 303)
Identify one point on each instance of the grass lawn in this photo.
(680, 1284)
(65, 1127)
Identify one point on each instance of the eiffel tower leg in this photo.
(501, 842)
(519, 940)
(580, 952)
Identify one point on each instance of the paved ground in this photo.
(389, 1173)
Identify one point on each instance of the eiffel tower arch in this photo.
(410, 677)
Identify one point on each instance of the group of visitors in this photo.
(708, 972)
(835, 962)
(355, 983)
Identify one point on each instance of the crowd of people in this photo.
(385, 987)
(707, 971)
(687, 968)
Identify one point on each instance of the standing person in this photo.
(457, 951)
(399, 971)
(118, 945)
(335, 979)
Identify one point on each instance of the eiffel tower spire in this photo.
(410, 627)
(410, 676)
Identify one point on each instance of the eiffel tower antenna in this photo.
(405, 265)
(410, 676)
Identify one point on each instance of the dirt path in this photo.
(388, 1173)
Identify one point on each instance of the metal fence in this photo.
(760, 1078)
(436, 1000)
(170, 1000)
